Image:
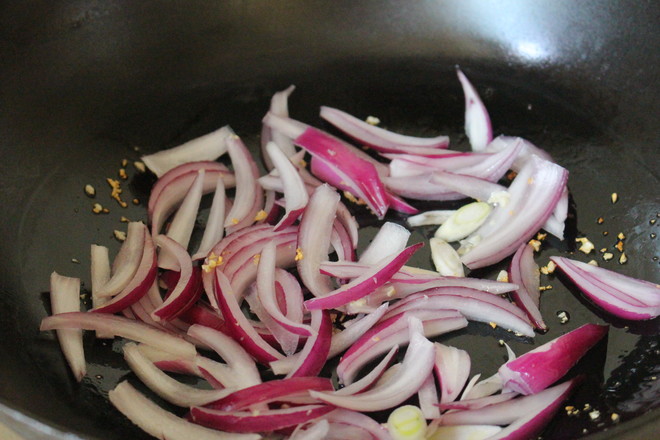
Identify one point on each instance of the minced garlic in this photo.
(608, 256)
(623, 259)
(299, 254)
(140, 166)
(120, 235)
(614, 197)
(261, 215)
(372, 120)
(548, 268)
(90, 190)
(535, 244)
(116, 191)
(586, 246)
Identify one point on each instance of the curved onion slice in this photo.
(378, 138)
(314, 238)
(543, 366)
(357, 172)
(207, 147)
(620, 295)
(214, 229)
(365, 283)
(168, 191)
(390, 239)
(237, 358)
(477, 121)
(277, 390)
(249, 198)
(188, 287)
(142, 280)
(528, 149)
(417, 365)
(370, 378)
(534, 194)
(260, 421)
(393, 331)
(367, 428)
(65, 297)
(295, 193)
(238, 324)
(452, 368)
(445, 258)
(160, 423)
(524, 272)
(120, 326)
(100, 274)
(127, 260)
(462, 432)
(166, 387)
(315, 352)
(279, 105)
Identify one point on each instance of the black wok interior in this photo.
(82, 83)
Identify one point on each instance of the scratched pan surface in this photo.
(83, 83)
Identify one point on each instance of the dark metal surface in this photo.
(83, 82)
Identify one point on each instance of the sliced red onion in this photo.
(368, 427)
(477, 122)
(279, 105)
(537, 369)
(188, 287)
(417, 365)
(168, 191)
(277, 390)
(207, 147)
(315, 352)
(314, 238)
(483, 388)
(365, 283)
(470, 186)
(163, 424)
(445, 258)
(341, 242)
(123, 327)
(261, 421)
(219, 375)
(494, 166)
(141, 281)
(464, 221)
(534, 194)
(238, 324)
(370, 378)
(168, 362)
(462, 432)
(214, 229)
(202, 314)
(166, 387)
(249, 194)
(378, 138)
(427, 395)
(420, 187)
(473, 304)
(100, 274)
(181, 228)
(620, 295)
(393, 331)
(528, 149)
(315, 430)
(237, 358)
(452, 368)
(477, 403)
(127, 260)
(407, 165)
(390, 239)
(65, 297)
(524, 272)
(356, 171)
(400, 205)
(353, 329)
(295, 192)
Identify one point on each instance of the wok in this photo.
(84, 82)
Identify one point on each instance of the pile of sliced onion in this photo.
(276, 288)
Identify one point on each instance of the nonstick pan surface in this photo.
(82, 83)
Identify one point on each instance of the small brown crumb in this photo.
(372, 120)
(124, 162)
(615, 197)
(511, 175)
(548, 268)
(619, 246)
(605, 233)
(600, 220)
(124, 219)
(106, 210)
(586, 246)
(535, 244)
(90, 190)
(544, 288)
(607, 256)
(503, 276)
(136, 201)
(120, 235)
(623, 259)
(351, 198)
(140, 166)
(122, 173)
